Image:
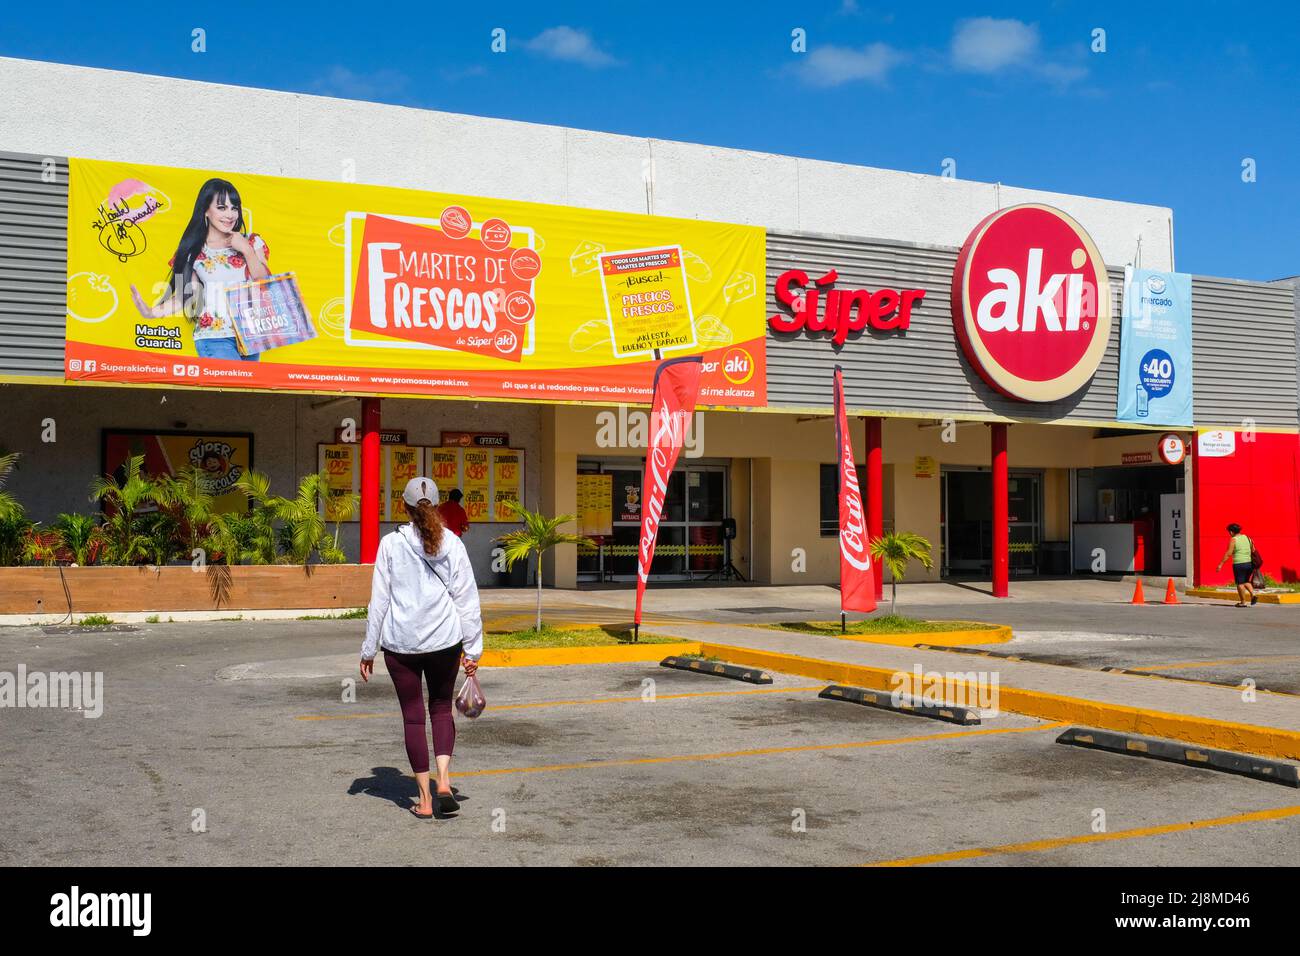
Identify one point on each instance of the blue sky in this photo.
(1013, 92)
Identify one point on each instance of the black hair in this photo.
(1234, 528)
(196, 234)
(454, 495)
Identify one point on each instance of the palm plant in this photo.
(9, 506)
(124, 544)
(895, 550)
(304, 529)
(14, 533)
(80, 536)
(187, 496)
(538, 535)
(159, 534)
(247, 536)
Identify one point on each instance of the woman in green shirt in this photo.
(1239, 549)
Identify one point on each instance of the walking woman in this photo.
(424, 613)
(1240, 551)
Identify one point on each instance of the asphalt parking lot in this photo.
(242, 726)
(1202, 641)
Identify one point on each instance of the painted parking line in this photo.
(582, 703)
(1037, 846)
(755, 752)
(1187, 665)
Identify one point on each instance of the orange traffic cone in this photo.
(1137, 594)
(1171, 596)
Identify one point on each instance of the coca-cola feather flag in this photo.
(857, 585)
(677, 384)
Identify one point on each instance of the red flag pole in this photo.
(676, 387)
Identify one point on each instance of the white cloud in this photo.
(1060, 74)
(1000, 47)
(570, 45)
(986, 45)
(343, 82)
(836, 65)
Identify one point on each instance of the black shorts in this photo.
(1241, 572)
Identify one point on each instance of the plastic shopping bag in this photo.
(268, 314)
(470, 700)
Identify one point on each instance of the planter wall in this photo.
(215, 588)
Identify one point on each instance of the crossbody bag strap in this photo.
(445, 585)
(425, 558)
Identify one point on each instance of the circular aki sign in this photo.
(1031, 303)
(1172, 449)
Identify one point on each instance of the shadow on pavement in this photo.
(387, 783)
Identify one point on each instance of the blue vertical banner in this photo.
(1155, 349)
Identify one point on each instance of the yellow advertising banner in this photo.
(925, 466)
(648, 303)
(595, 505)
(476, 483)
(444, 468)
(191, 277)
(342, 466)
(400, 463)
(507, 481)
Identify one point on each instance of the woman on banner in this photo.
(424, 613)
(213, 255)
(1241, 551)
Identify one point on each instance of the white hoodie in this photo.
(419, 602)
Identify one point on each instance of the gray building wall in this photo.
(1243, 337)
(55, 476)
(33, 263)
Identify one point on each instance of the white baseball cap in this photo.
(417, 489)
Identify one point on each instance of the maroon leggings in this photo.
(439, 669)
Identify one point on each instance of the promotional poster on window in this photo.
(1155, 349)
(191, 277)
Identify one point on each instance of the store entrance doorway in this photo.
(690, 544)
(966, 521)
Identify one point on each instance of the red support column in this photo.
(369, 479)
(1001, 520)
(875, 495)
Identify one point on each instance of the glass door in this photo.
(689, 544)
(966, 521)
(1025, 513)
(706, 506)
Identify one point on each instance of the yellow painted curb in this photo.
(1205, 731)
(1216, 594)
(996, 635)
(610, 654)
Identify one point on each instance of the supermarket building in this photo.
(755, 486)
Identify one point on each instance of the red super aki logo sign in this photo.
(1031, 303)
(844, 311)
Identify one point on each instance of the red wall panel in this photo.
(1258, 487)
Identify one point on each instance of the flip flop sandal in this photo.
(421, 816)
(447, 802)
